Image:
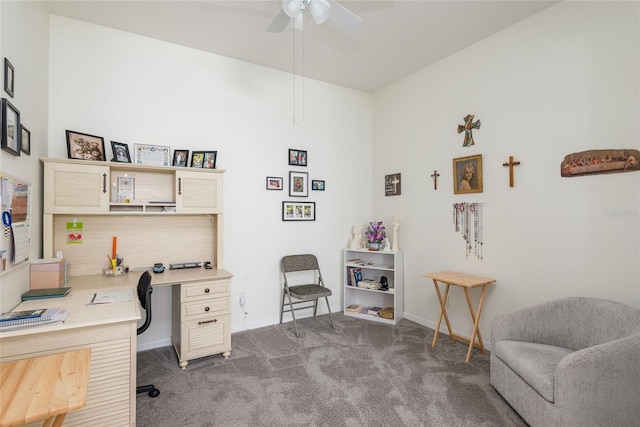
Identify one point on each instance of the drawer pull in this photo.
(207, 321)
(206, 291)
(206, 309)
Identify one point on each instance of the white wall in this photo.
(134, 89)
(24, 41)
(563, 81)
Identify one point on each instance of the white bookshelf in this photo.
(373, 265)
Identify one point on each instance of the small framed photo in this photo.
(317, 185)
(297, 157)
(298, 184)
(8, 77)
(25, 145)
(197, 159)
(149, 154)
(209, 159)
(84, 146)
(11, 140)
(467, 174)
(392, 184)
(120, 152)
(274, 183)
(298, 211)
(180, 158)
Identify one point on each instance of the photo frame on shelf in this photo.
(180, 158)
(297, 157)
(120, 152)
(275, 183)
(9, 73)
(392, 184)
(317, 185)
(298, 211)
(25, 140)
(83, 146)
(298, 184)
(197, 159)
(467, 174)
(150, 154)
(11, 139)
(209, 159)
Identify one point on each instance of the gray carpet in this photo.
(362, 374)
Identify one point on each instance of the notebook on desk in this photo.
(45, 293)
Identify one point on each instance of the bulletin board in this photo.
(15, 205)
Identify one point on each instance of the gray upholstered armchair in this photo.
(569, 362)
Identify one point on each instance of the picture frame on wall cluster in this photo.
(275, 183)
(467, 174)
(298, 184)
(297, 157)
(11, 130)
(9, 73)
(317, 185)
(83, 146)
(298, 211)
(25, 140)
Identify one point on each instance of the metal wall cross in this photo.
(435, 179)
(511, 164)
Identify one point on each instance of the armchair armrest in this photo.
(600, 385)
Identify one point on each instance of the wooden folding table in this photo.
(466, 281)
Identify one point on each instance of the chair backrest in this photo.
(144, 295)
(304, 262)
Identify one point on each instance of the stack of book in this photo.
(31, 318)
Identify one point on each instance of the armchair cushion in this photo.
(535, 363)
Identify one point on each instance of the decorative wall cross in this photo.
(511, 164)
(468, 126)
(435, 179)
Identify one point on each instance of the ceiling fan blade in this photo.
(342, 17)
(279, 23)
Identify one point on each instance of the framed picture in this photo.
(297, 157)
(317, 185)
(180, 158)
(392, 184)
(274, 183)
(149, 154)
(209, 159)
(467, 174)
(84, 146)
(25, 144)
(120, 152)
(10, 128)
(197, 159)
(8, 77)
(298, 184)
(298, 211)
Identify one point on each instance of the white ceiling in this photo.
(396, 38)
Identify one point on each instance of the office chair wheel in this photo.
(154, 393)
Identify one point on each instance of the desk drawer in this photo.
(206, 337)
(203, 308)
(199, 290)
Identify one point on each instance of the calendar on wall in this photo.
(15, 204)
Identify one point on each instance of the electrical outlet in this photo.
(243, 299)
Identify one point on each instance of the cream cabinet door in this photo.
(198, 192)
(76, 188)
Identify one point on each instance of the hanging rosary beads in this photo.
(467, 219)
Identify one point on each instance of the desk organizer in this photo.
(120, 270)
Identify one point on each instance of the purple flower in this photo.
(375, 232)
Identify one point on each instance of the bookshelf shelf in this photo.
(366, 268)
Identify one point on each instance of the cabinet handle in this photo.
(179, 186)
(206, 309)
(104, 182)
(207, 321)
(206, 291)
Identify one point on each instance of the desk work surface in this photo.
(166, 278)
(460, 279)
(38, 388)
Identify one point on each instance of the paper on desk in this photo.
(109, 297)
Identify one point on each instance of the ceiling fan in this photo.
(320, 10)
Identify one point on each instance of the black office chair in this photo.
(144, 295)
(304, 292)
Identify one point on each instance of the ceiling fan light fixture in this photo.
(319, 10)
(292, 7)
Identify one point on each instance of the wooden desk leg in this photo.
(476, 321)
(443, 312)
